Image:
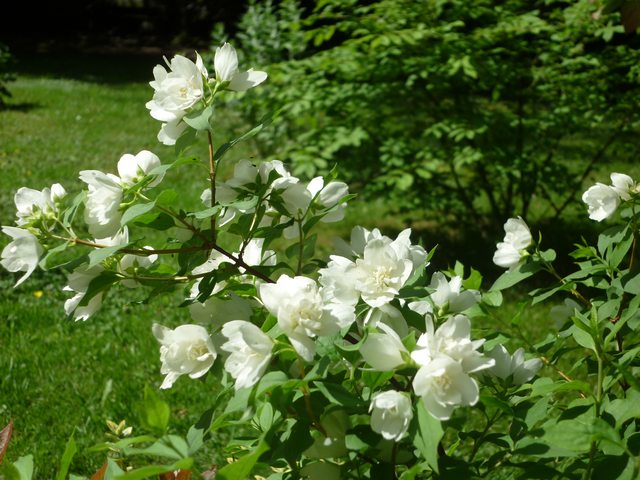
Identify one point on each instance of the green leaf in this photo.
(544, 386)
(338, 395)
(69, 451)
(195, 439)
(511, 278)
(430, 433)
(98, 285)
(624, 409)
(243, 466)
(199, 120)
(266, 120)
(185, 140)
(153, 470)
(579, 433)
(70, 213)
(48, 261)
(99, 254)
(154, 412)
(155, 220)
(136, 211)
(24, 467)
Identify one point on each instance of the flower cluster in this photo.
(603, 200)
(178, 92)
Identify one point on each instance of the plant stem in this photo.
(212, 180)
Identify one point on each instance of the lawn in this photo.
(57, 377)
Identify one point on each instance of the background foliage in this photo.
(473, 112)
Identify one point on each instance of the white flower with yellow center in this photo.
(443, 385)
(302, 312)
(186, 350)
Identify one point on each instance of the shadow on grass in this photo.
(102, 68)
(23, 107)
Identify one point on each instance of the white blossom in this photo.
(515, 366)
(448, 294)
(133, 168)
(452, 339)
(384, 351)
(338, 281)
(391, 413)
(102, 210)
(22, 254)
(513, 247)
(78, 281)
(226, 67)
(381, 272)
(250, 350)
(30, 203)
(302, 312)
(177, 90)
(623, 185)
(171, 131)
(443, 385)
(186, 350)
(602, 201)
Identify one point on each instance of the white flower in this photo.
(226, 67)
(447, 294)
(383, 351)
(132, 168)
(514, 366)
(177, 90)
(602, 201)
(171, 131)
(623, 185)
(31, 204)
(22, 254)
(186, 350)
(250, 350)
(338, 281)
(102, 210)
(506, 256)
(381, 273)
(391, 413)
(513, 247)
(443, 385)
(302, 312)
(452, 339)
(78, 282)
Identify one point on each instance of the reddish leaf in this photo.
(182, 475)
(5, 436)
(99, 475)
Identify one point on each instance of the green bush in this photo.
(475, 111)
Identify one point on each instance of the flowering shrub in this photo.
(365, 365)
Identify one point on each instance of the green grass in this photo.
(58, 377)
